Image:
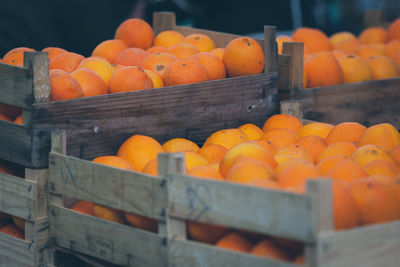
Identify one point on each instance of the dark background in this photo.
(79, 25)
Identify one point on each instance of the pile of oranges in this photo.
(345, 58)
(363, 163)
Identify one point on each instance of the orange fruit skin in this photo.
(341, 36)
(91, 83)
(100, 66)
(204, 171)
(168, 38)
(392, 48)
(183, 50)
(314, 39)
(10, 111)
(213, 153)
(345, 213)
(281, 167)
(281, 137)
(347, 170)
(326, 164)
(271, 148)
(233, 241)
(213, 65)
(158, 62)
(394, 30)
(109, 214)
(63, 86)
(84, 207)
(156, 49)
(114, 161)
(180, 145)
(266, 248)
(292, 151)
(282, 121)
(185, 71)
(266, 184)
(346, 132)
(129, 79)
(67, 61)
(373, 35)
(383, 135)
(20, 223)
(339, 53)
(337, 148)
(18, 120)
(313, 145)
(151, 168)
(131, 57)
(395, 154)
(297, 174)
(249, 169)
(368, 50)
(252, 131)
(201, 41)
(348, 46)
(381, 167)
(192, 159)
(323, 69)
(355, 69)
(135, 33)
(243, 56)
(11, 229)
(219, 52)
(383, 67)
(204, 232)
(53, 51)
(282, 39)
(316, 128)
(109, 49)
(376, 202)
(142, 222)
(155, 78)
(16, 56)
(5, 118)
(367, 153)
(396, 186)
(396, 58)
(226, 138)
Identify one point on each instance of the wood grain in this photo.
(270, 49)
(16, 86)
(15, 252)
(163, 21)
(38, 63)
(295, 77)
(126, 245)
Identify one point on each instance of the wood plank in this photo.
(270, 49)
(95, 128)
(295, 77)
(39, 178)
(126, 245)
(124, 190)
(15, 252)
(17, 196)
(163, 21)
(189, 253)
(283, 81)
(38, 62)
(16, 86)
(367, 246)
(239, 206)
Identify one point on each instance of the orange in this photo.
(131, 57)
(204, 232)
(5, 118)
(345, 213)
(381, 167)
(139, 150)
(394, 30)
(16, 56)
(396, 186)
(168, 38)
(18, 120)
(282, 121)
(53, 51)
(151, 168)
(213, 65)
(266, 248)
(346, 132)
(300, 260)
(313, 145)
(183, 50)
(215, 166)
(282, 39)
(247, 170)
(341, 36)
(339, 53)
(192, 159)
(67, 61)
(11, 229)
(9, 110)
(180, 145)
(129, 79)
(267, 145)
(289, 162)
(203, 171)
(142, 222)
(155, 78)
(348, 45)
(213, 153)
(100, 66)
(158, 62)
(355, 69)
(383, 67)
(245, 150)
(219, 52)
(85, 207)
(114, 161)
(226, 138)
(185, 71)
(233, 241)
(20, 223)
(292, 151)
(392, 48)
(266, 184)
(323, 69)
(376, 202)
(157, 49)
(109, 214)
(243, 56)
(91, 83)
(395, 154)
(346, 170)
(297, 174)
(396, 58)
(325, 165)
(252, 131)
(367, 153)
(280, 137)
(373, 35)
(316, 128)
(201, 41)
(383, 135)
(314, 39)
(135, 33)
(63, 86)
(368, 50)
(337, 148)
(109, 49)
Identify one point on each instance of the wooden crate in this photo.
(27, 199)
(96, 125)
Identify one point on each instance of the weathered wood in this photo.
(38, 63)
(124, 190)
(163, 21)
(94, 127)
(292, 107)
(187, 253)
(15, 252)
(39, 178)
(295, 77)
(283, 74)
(270, 49)
(241, 206)
(116, 243)
(369, 246)
(16, 86)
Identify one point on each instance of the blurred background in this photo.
(79, 25)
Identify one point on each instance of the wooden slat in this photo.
(109, 241)
(95, 128)
(163, 21)
(188, 253)
(124, 190)
(283, 81)
(270, 49)
(368, 246)
(295, 77)
(266, 211)
(17, 196)
(16, 86)
(15, 252)
(38, 62)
